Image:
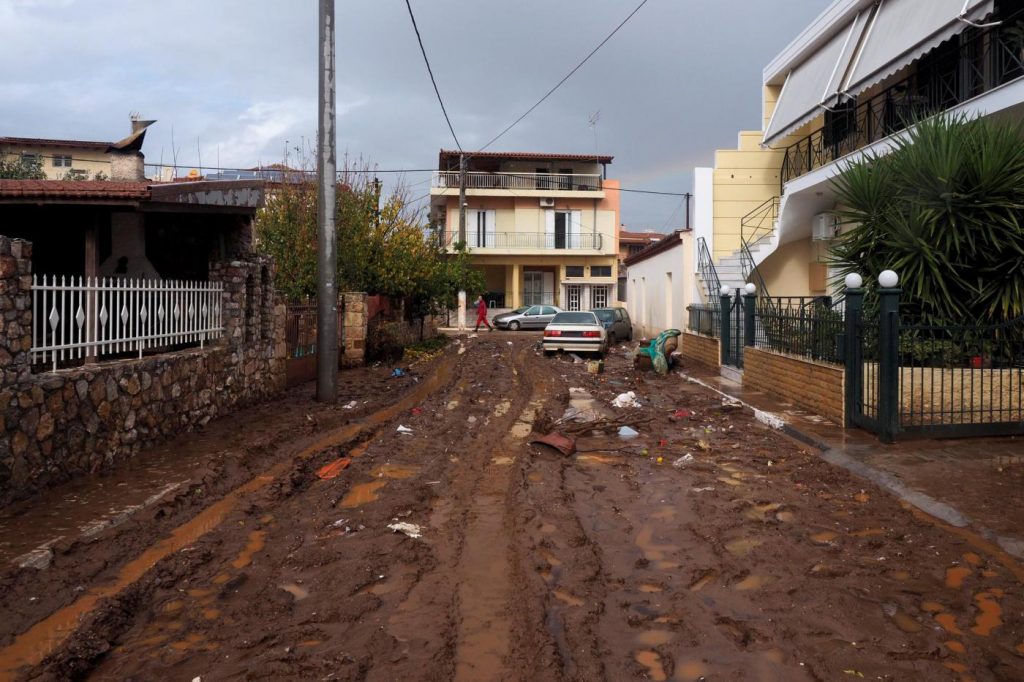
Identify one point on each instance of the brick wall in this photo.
(812, 386)
(58, 425)
(702, 350)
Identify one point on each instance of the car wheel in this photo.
(514, 325)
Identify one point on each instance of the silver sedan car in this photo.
(532, 317)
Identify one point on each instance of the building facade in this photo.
(543, 228)
(660, 284)
(848, 85)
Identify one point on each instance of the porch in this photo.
(571, 287)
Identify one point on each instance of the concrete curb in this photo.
(883, 479)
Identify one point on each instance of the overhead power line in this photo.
(559, 83)
(431, 72)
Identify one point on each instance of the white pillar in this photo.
(462, 311)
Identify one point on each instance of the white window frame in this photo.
(599, 295)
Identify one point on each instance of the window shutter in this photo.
(491, 219)
(575, 229)
(549, 229)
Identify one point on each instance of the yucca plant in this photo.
(943, 209)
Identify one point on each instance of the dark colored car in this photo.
(616, 322)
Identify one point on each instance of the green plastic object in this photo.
(655, 350)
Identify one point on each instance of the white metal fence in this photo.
(89, 317)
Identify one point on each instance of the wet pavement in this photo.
(709, 546)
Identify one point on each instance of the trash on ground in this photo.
(627, 399)
(627, 433)
(595, 366)
(398, 372)
(404, 429)
(410, 529)
(558, 441)
(416, 411)
(728, 405)
(339, 523)
(350, 405)
(681, 414)
(509, 342)
(471, 419)
(576, 360)
(329, 471)
(683, 461)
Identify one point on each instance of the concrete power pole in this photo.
(327, 261)
(462, 197)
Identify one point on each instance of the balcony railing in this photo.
(561, 182)
(970, 65)
(586, 241)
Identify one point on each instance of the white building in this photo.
(661, 284)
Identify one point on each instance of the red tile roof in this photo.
(626, 236)
(42, 142)
(449, 155)
(666, 242)
(73, 189)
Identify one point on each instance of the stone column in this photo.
(15, 310)
(354, 329)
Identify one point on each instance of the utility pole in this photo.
(462, 197)
(688, 195)
(327, 259)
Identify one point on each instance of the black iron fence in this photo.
(300, 328)
(811, 328)
(704, 319)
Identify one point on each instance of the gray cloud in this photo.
(239, 76)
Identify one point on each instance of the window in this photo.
(62, 161)
(535, 310)
(600, 271)
(26, 157)
(480, 228)
(573, 270)
(548, 310)
(599, 297)
(563, 229)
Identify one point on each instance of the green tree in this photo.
(943, 209)
(21, 168)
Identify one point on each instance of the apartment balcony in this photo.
(520, 184)
(505, 243)
(965, 69)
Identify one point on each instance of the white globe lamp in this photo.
(888, 279)
(726, 290)
(750, 288)
(854, 281)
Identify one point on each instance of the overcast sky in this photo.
(237, 78)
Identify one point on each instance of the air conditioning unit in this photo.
(825, 227)
(547, 203)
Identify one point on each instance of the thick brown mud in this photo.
(709, 547)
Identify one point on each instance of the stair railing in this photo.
(708, 273)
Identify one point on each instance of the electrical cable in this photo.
(431, 72)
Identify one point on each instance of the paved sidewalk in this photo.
(976, 482)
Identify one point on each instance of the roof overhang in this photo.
(448, 155)
(669, 241)
(243, 197)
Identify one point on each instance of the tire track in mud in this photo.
(31, 647)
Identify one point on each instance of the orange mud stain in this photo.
(663, 620)
(862, 497)
(221, 578)
(394, 471)
(296, 591)
(729, 481)
(362, 493)
(932, 607)
(691, 671)
(211, 614)
(955, 576)
(650, 588)
(666, 565)
(548, 528)
(652, 661)
(955, 646)
(743, 546)
(190, 641)
(257, 541)
(752, 582)
(309, 643)
(598, 459)
(761, 511)
(956, 667)
(567, 598)
(534, 477)
(1019, 648)
(775, 656)
(664, 513)
(200, 593)
(901, 575)
(824, 537)
(973, 539)
(545, 573)
(654, 638)
(868, 533)
(172, 606)
(948, 623)
(785, 516)
(972, 558)
(990, 616)
(550, 558)
(652, 551)
(703, 581)
(905, 622)
(152, 641)
(989, 573)
(266, 518)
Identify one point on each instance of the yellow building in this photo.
(82, 159)
(543, 228)
(845, 86)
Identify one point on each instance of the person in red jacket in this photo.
(481, 314)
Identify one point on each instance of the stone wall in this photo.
(702, 350)
(353, 332)
(63, 424)
(813, 386)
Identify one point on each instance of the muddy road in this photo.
(708, 547)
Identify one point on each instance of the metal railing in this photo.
(300, 328)
(806, 327)
(82, 318)
(562, 182)
(757, 225)
(708, 273)
(586, 241)
(704, 319)
(977, 61)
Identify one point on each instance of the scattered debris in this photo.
(350, 405)
(560, 442)
(627, 399)
(627, 433)
(683, 461)
(682, 414)
(404, 429)
(730, 405)
(410, 529)
(471, 419)
(416, 411)
(576, 360)
(397, 372)
(330, 471)
(595, 366)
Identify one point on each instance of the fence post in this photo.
(854, 371)
(750, 311)
(888, 361)
(725, 326)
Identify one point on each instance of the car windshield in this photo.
(574, 318)
(520, 311)
(605, 314)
